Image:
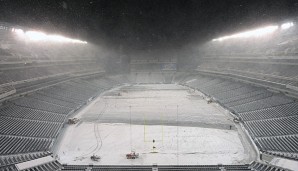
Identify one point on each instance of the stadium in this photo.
(64, 107)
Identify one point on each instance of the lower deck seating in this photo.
(161, 168)
(270, 118)
(286, 110)
(273, 127)
(264, 167)
(41, 105)
(253, 97)
(15, 145)
(275, 100)
(287, 144)
(52, 166)
(14, 111)
(31, 123)
(10, 163)
(9, 160)
(28, 128)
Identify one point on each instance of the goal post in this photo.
(153, 132)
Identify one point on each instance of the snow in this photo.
(195, 145)
(157, 104)
(203, 131)
(285, 163)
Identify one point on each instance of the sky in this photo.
(146, 25)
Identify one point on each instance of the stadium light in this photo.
(248, 34)
(40, 36)
(36, 36)
(287, 25)
(19, 32)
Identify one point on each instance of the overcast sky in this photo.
(146, 24)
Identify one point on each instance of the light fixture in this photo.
(287, 25)
(40, 36)
(35, 36)
(248, 34)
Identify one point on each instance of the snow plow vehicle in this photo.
(132, 155)
(73, 120)
(95, 157)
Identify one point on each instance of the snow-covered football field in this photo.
(185, 129)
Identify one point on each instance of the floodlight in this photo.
(287, 25)
(40, 36)
(36, 36)
(19, 32)
(248, 34)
